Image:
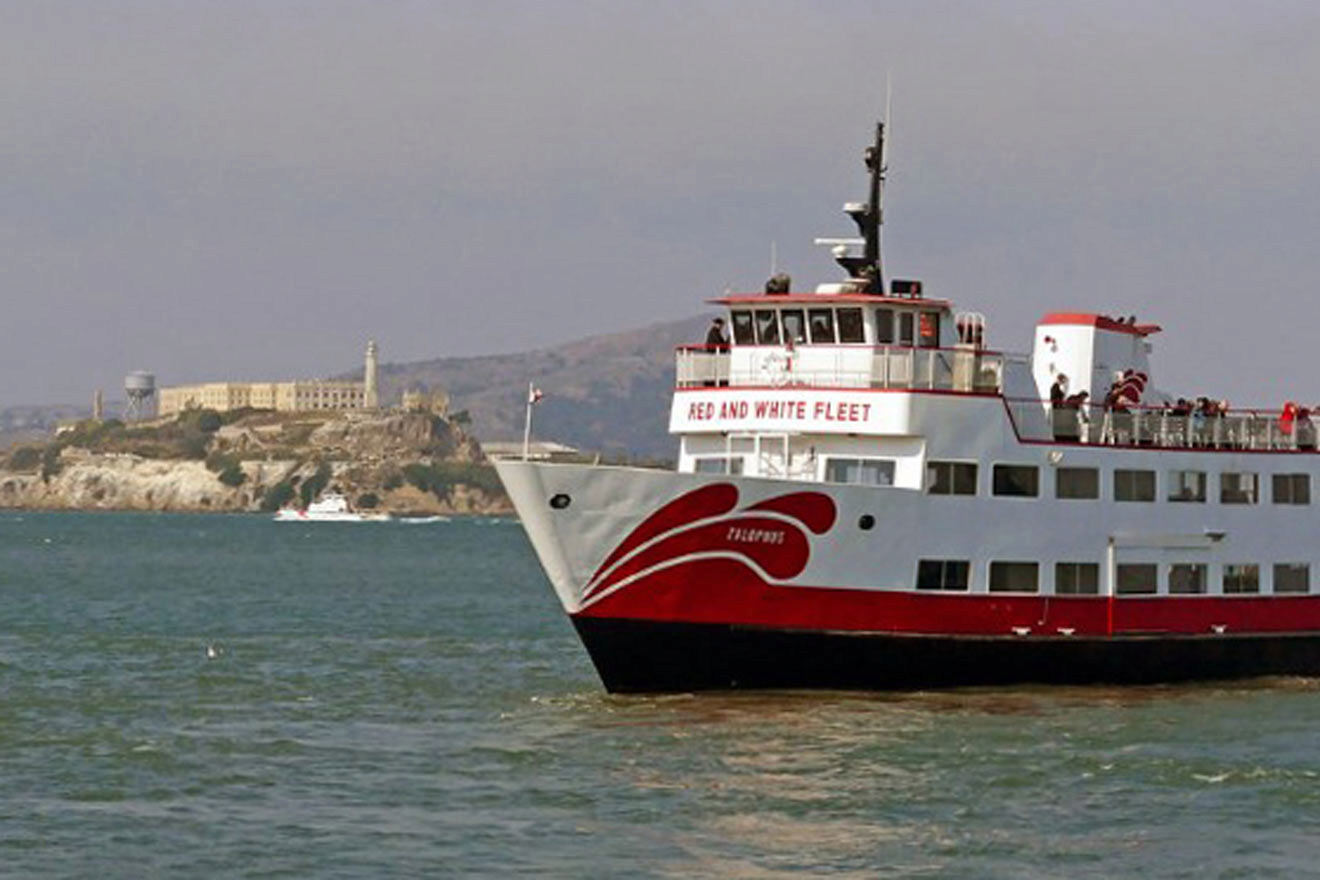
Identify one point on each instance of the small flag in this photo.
(534, 395)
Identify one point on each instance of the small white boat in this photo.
(330, 507)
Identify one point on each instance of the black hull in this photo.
(636, 656)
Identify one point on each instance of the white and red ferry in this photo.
(868, 497)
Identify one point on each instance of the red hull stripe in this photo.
(727, 591)
(708, 501)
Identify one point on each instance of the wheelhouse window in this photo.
(767, 327)
(1242, 578)
(1239, 488)
(1187, 577)
(1017, 480)
(850, 326)
(1137, 579)
(1134, 485)
(884, 327)
(1187, 486)
(943, 574)
(951, 477)
(1292, 488)
(1076, 578)
(1292, 577)
(1076, 483)
(929, 329)
(907, 324)
(743, 334)
(865, 471)
(1014, 577)
(719, 464)
(821, 322)
(795, 325)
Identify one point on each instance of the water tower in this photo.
(140, 388)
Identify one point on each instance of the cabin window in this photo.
(719, 464)
(907, 325)
(929, 327)
(1238, 488)
(1292, 488)
(1187, 486)
(1076, 578)
(1017, 480)
(1187, 577)
(795, 326)
(951, 477)
(1242, 578)
(884, 326)
(1013, 577)
(1134, 485)
(1075, 482)
(767, 327)
(743, 334)
(943, 574)
(1292, 577)
(822, 326)
(850, 326)
(865, 471)
(1137, 578)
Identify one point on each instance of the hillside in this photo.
(607, 393)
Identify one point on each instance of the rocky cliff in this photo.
(406, 463)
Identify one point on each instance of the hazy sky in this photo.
(250, 190)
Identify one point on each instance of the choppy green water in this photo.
(407, 700)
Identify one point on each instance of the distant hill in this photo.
(607, 394)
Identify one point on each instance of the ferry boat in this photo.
(867, 496)
(330, 507)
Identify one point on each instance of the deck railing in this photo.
(965, 370)
(1160, 427)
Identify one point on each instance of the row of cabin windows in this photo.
(829, 326)
(1083, 483)
(1130, 579)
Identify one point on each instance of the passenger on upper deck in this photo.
(715, 338)
(1059, 391)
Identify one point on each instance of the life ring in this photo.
(775, 367)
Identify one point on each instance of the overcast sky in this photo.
(251, 190)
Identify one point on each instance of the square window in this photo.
(951, 477)
(1238, 488)
(743, 334)
(1242, 578)
(1073, 482)
(1292, 577)
(1188, 486)
(1187, 577)
(943, 574)
(795, 326)
(1292, 488)
(1134, 485)
(865, 471)
(1013, 577)
(1137, 579)
(906, 328)
(1017, 480)
(1076, 578)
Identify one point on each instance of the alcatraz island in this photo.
(258, 446)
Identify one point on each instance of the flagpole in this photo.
(527, 425)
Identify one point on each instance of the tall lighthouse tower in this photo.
(371, 391)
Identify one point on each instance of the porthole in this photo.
(560, 501)
(866, 522)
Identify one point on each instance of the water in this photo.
(390, 700)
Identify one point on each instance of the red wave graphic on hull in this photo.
(769, 535)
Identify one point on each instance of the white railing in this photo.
(965, 370)
(1248, 429)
